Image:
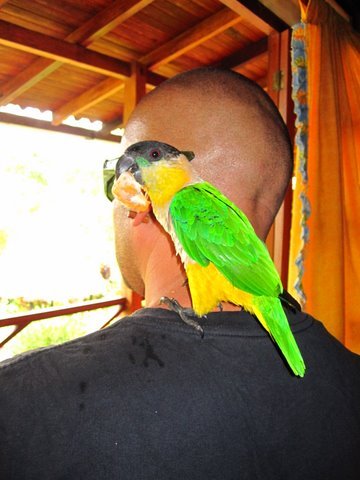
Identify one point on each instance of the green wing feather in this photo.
(212, 229)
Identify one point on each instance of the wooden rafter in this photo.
(108, 19)
(36, 71)
(154, 79)
(99, 25)
(257, 14)
(246, 54)
(99, 92)
(288, 11)
(189, 39)
(92, 96)
(39, 44)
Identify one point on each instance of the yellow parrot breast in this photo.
(208, 288)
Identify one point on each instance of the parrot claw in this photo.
(184, 313)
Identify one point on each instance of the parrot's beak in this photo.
(126, 163)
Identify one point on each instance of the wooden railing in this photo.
(22, 320)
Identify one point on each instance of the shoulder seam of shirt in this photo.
(127, 322)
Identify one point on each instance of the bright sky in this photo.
(58, 230)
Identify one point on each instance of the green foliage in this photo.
(43, 333)
(3, 240)
(26, 171)
(22, 304)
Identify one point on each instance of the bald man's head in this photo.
(240, 141)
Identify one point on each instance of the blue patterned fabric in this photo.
(299, 96)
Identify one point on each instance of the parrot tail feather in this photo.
(271, 315)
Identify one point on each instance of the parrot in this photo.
(223, 258)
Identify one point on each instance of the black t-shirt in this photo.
(148, 398)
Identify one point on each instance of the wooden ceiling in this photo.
(80, 58)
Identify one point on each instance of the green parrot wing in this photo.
(212, 229)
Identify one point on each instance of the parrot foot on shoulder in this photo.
(187, 315)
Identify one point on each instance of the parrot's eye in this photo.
(155, 153)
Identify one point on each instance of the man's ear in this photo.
(189, 155)
(142, 217)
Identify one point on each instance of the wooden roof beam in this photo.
(204, 30)
(245, 54)
(31, 122)
(106, 20)
(92, 96)
(154, 79)
(288, 11)
(36, 71)
(59, 50)
(257, 14)
(100, 24)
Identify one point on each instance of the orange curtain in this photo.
(324, 270)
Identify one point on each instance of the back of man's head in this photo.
(236, 132)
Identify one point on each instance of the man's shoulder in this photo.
(36, 366)
(89, 351)
(321, 340)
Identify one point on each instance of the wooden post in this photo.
(135, 89)
(279, 89)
